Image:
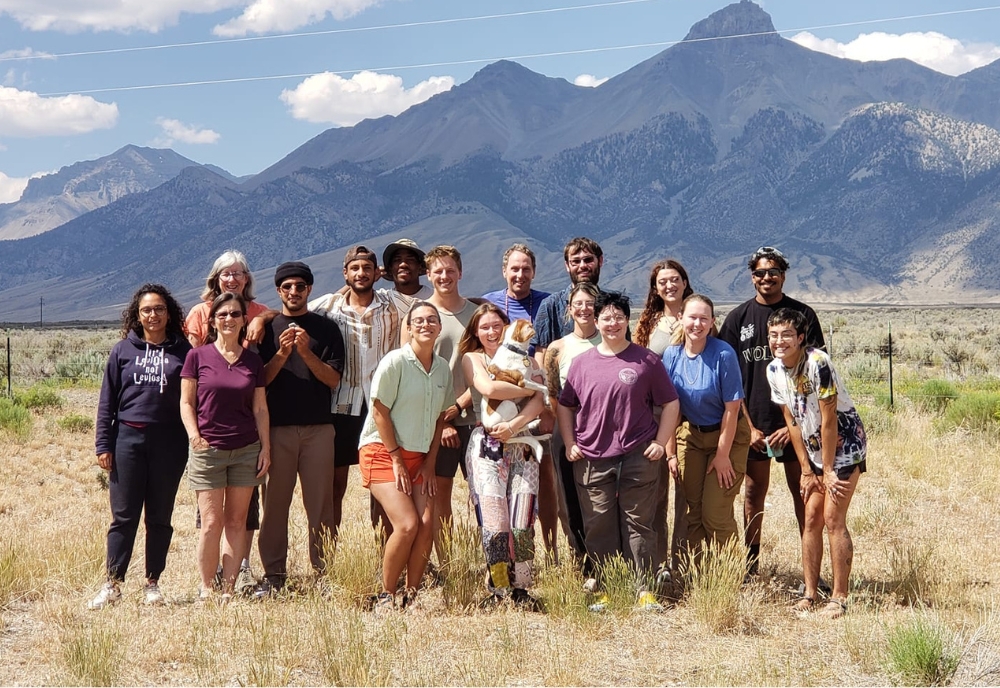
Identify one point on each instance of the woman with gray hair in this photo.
(230, 274)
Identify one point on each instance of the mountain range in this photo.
(880, 180)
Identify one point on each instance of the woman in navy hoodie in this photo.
(140, 437)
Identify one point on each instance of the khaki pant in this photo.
(618, 498)
(304, 451)
(710, 507)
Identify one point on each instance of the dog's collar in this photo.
(516, 349)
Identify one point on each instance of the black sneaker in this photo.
(266, 589)
(522, 600)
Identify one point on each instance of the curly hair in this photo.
(470, 341)
(219, 301)
(653, 309)
(175, 314)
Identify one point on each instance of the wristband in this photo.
(389, 451)
(672, 458)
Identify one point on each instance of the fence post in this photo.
(891, 399)
(10, 392)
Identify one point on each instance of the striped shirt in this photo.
(368, 336)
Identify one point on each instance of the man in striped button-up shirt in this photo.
(369, 322)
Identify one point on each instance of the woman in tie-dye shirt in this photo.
(830, 443)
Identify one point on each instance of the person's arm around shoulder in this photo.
(255, 329)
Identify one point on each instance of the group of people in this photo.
(399, 380)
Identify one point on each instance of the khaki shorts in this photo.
(212, 469)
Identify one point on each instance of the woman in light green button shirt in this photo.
(411, 390)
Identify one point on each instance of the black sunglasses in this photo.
(769, 272)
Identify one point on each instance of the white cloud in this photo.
(331, 99)
(24, 54)
(589, 81)
(258, 16)
(107, 15)
(175, 130)
(11, 188)
(264, 16)
(27, 114)
(931, 49)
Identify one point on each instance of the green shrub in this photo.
(921, 653)
(878, 419)
(82, 366)
(14, 419)
(933, 395)
(75, 422)
(39, 397)
(973, 411)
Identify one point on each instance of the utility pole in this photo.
(41, 303)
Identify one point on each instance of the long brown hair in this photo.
(654, 302)
(470, 341)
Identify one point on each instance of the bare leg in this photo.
(234, 520)
(402, 513)
(340, 477)
(758, 480)
(812, 543)
(548, 505)
(420, 551)
(442, 513)
(793, 476)
(841, 544)
(210, 505)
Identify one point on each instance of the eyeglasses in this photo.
(149, 310)
(582, 304)
(293, 286)
(419, 322)
(232, 274)
(222, 315)
(609, 319)
(582, 260)
(769, 272)
(782, 336)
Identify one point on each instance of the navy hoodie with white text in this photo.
(142, 384)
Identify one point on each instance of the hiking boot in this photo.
(600, 604)
(110, 594)
(590, 585)
(523, 600)
(385, 604)
(152, 595)
(245, 582)
(647, 602)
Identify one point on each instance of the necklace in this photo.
(686, 368)
(506, 304)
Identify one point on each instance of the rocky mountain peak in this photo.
(737, 19)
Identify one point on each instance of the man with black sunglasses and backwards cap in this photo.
(745, 329)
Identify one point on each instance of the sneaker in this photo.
(110, 594)
(265, 589)
(218, 583)
(590, 585)
(663, 577)
(385, 603)
(647, 602)
(600, 604)
(409, 598)
(245, 582)
(152, 594)
(523, 600)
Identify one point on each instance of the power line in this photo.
(527, 56)
(325, 32)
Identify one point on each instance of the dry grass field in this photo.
(925, 592)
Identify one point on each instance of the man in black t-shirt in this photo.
(303, 354)
(745, 329)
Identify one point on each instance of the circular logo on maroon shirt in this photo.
(628, 376)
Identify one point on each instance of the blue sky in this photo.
(54, 111)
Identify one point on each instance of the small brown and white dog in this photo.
(512, 364)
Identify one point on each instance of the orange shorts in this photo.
(376, 464)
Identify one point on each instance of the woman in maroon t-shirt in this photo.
(225, 414)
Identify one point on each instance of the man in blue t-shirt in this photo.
(519, 301)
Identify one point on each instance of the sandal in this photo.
(804, 604)
(834, 609)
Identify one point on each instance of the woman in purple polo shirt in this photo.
(225, 414)
(615, 440)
